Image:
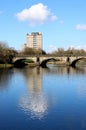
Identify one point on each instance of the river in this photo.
(52, 98)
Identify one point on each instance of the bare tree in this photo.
(6, 53)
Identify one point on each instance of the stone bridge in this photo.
(42, 60)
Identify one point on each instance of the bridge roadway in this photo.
(42, 60)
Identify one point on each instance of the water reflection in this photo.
(81, 90)
(5, 77)
(34, 105)
(35, 102)
(66, 70)
(55, 95)
(34, 79)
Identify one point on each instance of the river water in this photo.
(53, 98)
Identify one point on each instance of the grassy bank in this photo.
(6, 65)
(11, 65)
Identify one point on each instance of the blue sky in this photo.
(62, 22)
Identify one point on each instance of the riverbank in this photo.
(29, 65)
(11, 65)
(6, 65)
(32, 65)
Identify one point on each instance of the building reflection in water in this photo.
(35, 102)
(34, 80)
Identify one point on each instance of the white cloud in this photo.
(36, 14)
(81, 27)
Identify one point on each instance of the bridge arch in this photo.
(19, 63)
(44, 62)
(15, 59)
(73, 64)
(22, 62)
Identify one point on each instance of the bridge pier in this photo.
(68, 63)
(43, 65)
(73, 65)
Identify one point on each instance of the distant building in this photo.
(34, 40)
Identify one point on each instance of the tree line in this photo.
(69, 52)
(32, 51)
(59, 52)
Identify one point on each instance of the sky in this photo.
(62, 22)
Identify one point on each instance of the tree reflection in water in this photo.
(5, 76)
